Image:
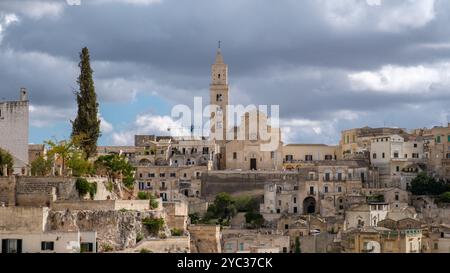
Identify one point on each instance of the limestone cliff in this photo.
(116, 230)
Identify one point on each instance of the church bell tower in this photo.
(219, 99)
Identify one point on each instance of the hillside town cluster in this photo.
(211, 195)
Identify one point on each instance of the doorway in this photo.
(253, 164)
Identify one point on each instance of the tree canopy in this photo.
(6, 159)
(87, 124)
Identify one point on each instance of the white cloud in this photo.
(149, 124)
(105, 126)
(386, 16)
(5, 21)
(407, 14)
(35, 9)
(395, 79)
(45, 116)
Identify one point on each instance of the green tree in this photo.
(41, 166)
(445, 197)
(222, 208)
(70, 156)
(297, 245)
(87, 123)
(423, 184)
(116, 167)
(153, 225)
(7, 160)
(79, 165)
(254, 219)
(83, 187)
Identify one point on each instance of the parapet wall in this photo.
(38, 191)
(138, 205)
(249, 183)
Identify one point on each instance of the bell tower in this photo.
(219, 97)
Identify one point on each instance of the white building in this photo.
(14, 120)
(391, 154)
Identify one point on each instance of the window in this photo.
(162, 175)
(406, 155)
(339, 189)
(308, 157)
(347, 140)
(311, 190)
(339, 176)
(295, 209)
(295, 200)
(415, 155)
(140, 175)
(218, 76)
(173, 174)
(286, 226)
(311, 176)
(272, 155)
(325, 189)
(328, 157)
(374, 156)
(289, 157)
(448, 137)
(47, 246)
(86, 247)
(395, 154)
(219, 97)
(397, 168)
(234, 155)
(327, 176)
(415, 145)
(151, 175)
(11, 246)
(438, 139)
(396, 196)
(241, 246)
(383, 155)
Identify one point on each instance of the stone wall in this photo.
(248, 183)
(38, 191)
(8, 191)
(176, 215)
(83, 205)
(22, 219)
(180, 244)
(205, 238)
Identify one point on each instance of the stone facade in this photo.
(14, 124)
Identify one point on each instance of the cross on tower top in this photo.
(219, 43)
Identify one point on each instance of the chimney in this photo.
(23, 94)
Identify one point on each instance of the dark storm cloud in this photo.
(297, 54)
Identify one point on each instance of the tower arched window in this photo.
(218, 76)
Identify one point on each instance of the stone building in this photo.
(35, 151)
(14, 126)
(295, 155)
(392, 154)
(254, 241)
(355, 143)
(170, 182)
(438, 151)
(24, 230)
(325, 188)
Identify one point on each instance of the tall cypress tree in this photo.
(86, 127)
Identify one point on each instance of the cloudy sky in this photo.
(329, 64)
